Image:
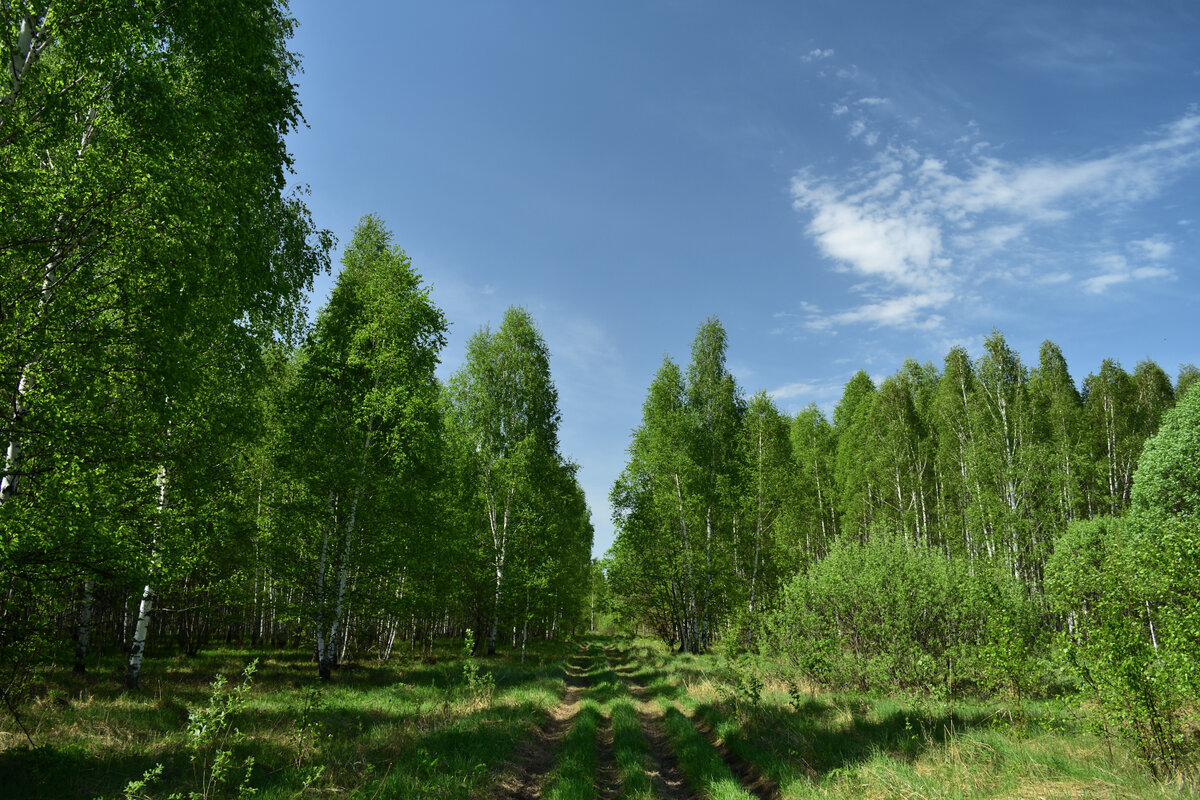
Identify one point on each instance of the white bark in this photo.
(1153, 635)
(693, 646)
(320, 632)
(12, 454)
(500, 545)
(344, 570)
(145, 608)
(31, 41)
(138, 649)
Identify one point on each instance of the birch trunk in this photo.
(137, 649)
(321, 644)
(12, 454)
(500, 544)
(343, 573)
(691, 644)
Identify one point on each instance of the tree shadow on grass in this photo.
(417, 724)
(51, 773)
(818, 739)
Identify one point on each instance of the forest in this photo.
(203, 480)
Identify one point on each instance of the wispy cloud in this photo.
(1115, 269)
(916, 229)
(816, 55)
(1154, 249)
(794, 395)
(1102, 47)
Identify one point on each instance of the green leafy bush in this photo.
(1129, 590)
(480, 685)
(888, 614)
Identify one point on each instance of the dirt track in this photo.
(527, 779)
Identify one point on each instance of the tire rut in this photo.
(664, 772)
(751, 778)
(535, 758)
(608, 777)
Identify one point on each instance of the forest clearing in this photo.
(603, 718)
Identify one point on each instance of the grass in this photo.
(378, 731)
(630, 750)
(851, 745)
(414, 729)
(706, 772)
(573, 777)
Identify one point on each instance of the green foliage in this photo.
(211, 739)
(362, 430)
(308, 729)
(889, 614)
(678, 503)
(520, 507)
(1128, 588)
(1130, 591)
(480, 685)
(1167, 481)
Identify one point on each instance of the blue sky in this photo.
(844, 184)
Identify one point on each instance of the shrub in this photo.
(887, 614)
(1129, 589)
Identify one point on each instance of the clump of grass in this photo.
(853, 745)
(705, 771)
(574, 771)
(631, 750)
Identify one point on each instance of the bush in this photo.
(1129, 589)
(886, 614)
(1131, 629)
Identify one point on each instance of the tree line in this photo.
(187, 459)
(921, 537)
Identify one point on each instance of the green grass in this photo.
(851, 745)
(412, 729)
(377, 731)
(573, 776)
(706, 772)
(631, 750)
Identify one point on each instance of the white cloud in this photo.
(1115, 270)
(917, 228)
(872, 101)
(1154, 249)
(905, 311)
(816, 55)
(839, 109)
(806, 390)
(791, 390)
(871, 239)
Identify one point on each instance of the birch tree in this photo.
(365, 418)
(146, 225)
(715, 411)
(812, 510)
(505, 400)
(768, 458)
(656, 560)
